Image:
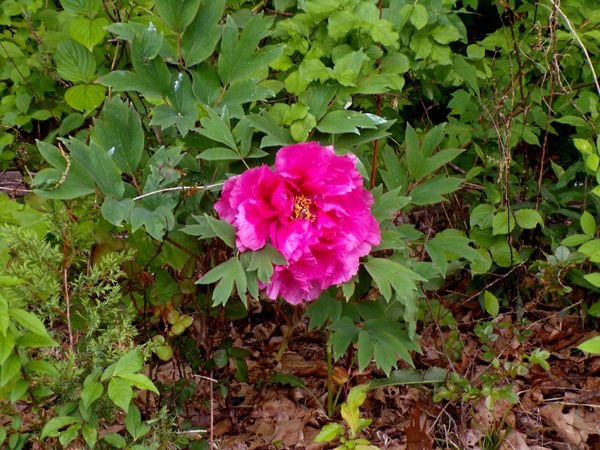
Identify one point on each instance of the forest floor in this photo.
(558, 408)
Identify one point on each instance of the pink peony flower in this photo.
(312, 208)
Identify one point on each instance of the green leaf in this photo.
(114, 439)
(491, 304)
(346, 69)
(528, 218)
(588, 224)
(4, 316)
(130, 362)
(593, 279)
(433, 190)
(7, 344)
(119, 132)
(117, 211)
(54, 425)
(216, 128)
(181, 110)
(387, 205)
(591, 345)
(419, 16)
(29, 321)
(323, 309)
(120, 392)
(390, 275)
(365, 350)
(139, 380)
(202, 35)
(100, 165)
(344, 332)
(80, 7)
(209, 227)
(85, 97)
(177, 14)
(276, 136)
(345, 121)
(329, 432)
(436, 161)
(593, 311)
(592, 161)
(503, 223)
(450, 245)
(263, 260)
(445, 34)
(90, 435)
(226, 274)
(74, 62)
(10, 369)
(133, 423)
(584, 146)
(238, 58)
(88, 31)
(482, 216)
(90, 393)
(575, 239)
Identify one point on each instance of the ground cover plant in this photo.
(350, 224)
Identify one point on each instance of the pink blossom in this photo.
(312, 207)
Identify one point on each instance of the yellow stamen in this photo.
(302, 209)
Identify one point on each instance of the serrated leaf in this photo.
(323, 309)
(391, 276)
(85, 97)
(74, 62)
(528, 218)
(503, 223)
(88, 31)
(214, 127)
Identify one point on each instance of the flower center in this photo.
(302, 209)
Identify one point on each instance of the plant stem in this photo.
(177, 188)
(330, 403)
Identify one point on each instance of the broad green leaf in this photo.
(575, 239)
(503, 254)
(87, 31)
(481, 216)
(276, 136)
(387, 205)
(130, 362)
(344, 332)
(590, 248)
(592, 161)
(329, 432)
(100, 165)
(431, 164)
(4, 316)
(29, 321)
(491, 304)
(503, 222)
(181, 110)
(346, 69)
(90, 435)
(74, 62)
(177, 14)
(202, 35)
(116, 440)
(432, 191)
(588, 224)
(134, 424)
(591, 345)
(593, 311)
(77, 7)
(156, 222)
(85, 97)
(419, 16)
(450, 245)
(139, 380)
(584, 146)
(528, 218)
(445, 34)
(120, 392)
(345, 121)
(10, 369)
(219, 154)
(119, 132)
(365, 350)
(90, 393)
(54, 425)
(7, 344)
(593, 278)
